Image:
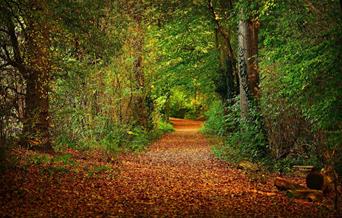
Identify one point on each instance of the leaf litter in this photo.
(177, 176)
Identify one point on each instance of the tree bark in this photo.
(252, 52)
(140, 108)
(243, 70)
(36, 117)
(248, 66)
(226, 57)
(31, 59)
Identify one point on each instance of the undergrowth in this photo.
(215, 123)
(113, 138)
(245, 139)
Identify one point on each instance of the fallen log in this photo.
(284, 184)
(295, 190)
(307, 194)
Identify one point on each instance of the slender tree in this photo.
(248, 67)
(243, 70)
(226, 54)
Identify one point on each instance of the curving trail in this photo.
(176, 177)
(179, 176)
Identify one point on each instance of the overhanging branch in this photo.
(220, 28)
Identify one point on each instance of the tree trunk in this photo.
(227, 90)
(248, 66)
(243, 70)
(140, 108)
(252, 52)
(36, 117)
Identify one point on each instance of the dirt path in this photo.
(176, 177)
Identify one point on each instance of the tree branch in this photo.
(219, 28)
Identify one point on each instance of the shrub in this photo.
(215, 123)
(248, 139)
(245, 138)
(164, 126)
(138, 139)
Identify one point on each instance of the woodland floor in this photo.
(177, 176)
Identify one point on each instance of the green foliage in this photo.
(65, 159)
(111, 142)
(139, 139)
(215, 123)
(244, 138)
(249, 141)
(91, 25)
(227, 153)
(43, 159)
(248, 138)
(119, 69)
(164, 126)
(184, 105)
(186, 63)
(301, 69)
(63, 142)
(40, 159)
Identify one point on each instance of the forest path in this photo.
(177, 176)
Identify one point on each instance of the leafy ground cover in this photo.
(177, 176)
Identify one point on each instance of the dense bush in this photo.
(244, 137)
(215, 123)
